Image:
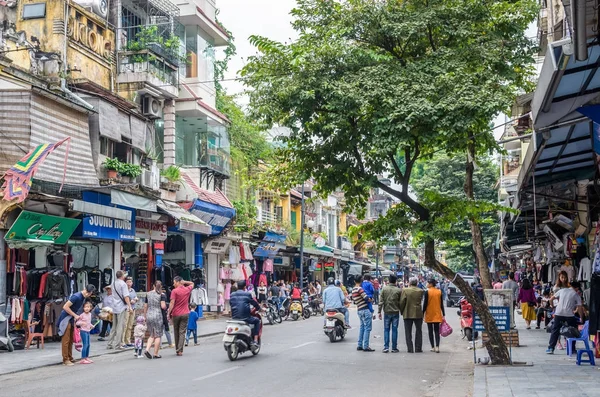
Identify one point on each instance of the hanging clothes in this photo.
(267, 265)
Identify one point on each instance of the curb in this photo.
(109, 352)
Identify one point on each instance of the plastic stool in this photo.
(590, 354)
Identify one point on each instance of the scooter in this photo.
(316, 305)
(296, 310)
(5, 340)
(334, 325)
(238, 337)
(466, 320)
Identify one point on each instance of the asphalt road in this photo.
(296, 359)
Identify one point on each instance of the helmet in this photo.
(330, 281)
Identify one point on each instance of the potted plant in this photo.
(112, 166)
(172, 175)
(130, 171)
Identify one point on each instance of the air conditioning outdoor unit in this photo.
(151, 178)
(151, 107)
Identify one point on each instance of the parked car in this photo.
(454, 294)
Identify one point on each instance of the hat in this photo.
(108, 287)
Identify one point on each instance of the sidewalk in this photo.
(550, 375)
(22, 360)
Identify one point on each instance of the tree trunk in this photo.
(496, 347)
(477, 236)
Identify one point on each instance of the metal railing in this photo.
(148, 61)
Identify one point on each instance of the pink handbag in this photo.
(445, 328)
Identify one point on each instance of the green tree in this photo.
(446, 175)
(369, 82)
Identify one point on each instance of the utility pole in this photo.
(302, 216)
(377, 262)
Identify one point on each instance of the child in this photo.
(139, 332)
(85, 326)
(192, 327)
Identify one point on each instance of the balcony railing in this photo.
(269, 217)
(148, 61)
(215, 158)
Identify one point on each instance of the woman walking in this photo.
(433, 310)
(528, 302)
(153, 307)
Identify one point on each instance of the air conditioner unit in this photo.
(98, 7)
(151, 107)
(151, 178)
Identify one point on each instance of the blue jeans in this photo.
(193, 332)
(390, 321)
(366, 323)
(85, 340)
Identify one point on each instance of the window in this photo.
(106, 146)
(123, 150)
(34, 10)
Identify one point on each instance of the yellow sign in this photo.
(80, 32)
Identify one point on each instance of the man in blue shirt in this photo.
(333, 298)
(66, 322)
(240, 302)
(367, 286)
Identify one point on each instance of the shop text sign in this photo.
(35, 226)
(96, 226)
(149, 230)
(501, 315)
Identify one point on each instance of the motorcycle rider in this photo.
(333, 298)
(240, 302)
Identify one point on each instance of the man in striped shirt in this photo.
(361, 300)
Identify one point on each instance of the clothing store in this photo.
(321, 263)
(235, 263)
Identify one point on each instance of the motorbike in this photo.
(238, 338)
(5, 339)
(334, 325)
(296, 310)
(284, 308)
(270, 312)
(316, 305)
(466, 320)
(273, 304)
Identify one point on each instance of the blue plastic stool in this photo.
(590, 354)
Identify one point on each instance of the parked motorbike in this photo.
(466, 320)
(238, 338)
(273, 304)
(316, 305)
(284, 308)
(334, 325)
(5, 339)
(296, 310)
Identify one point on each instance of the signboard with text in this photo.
(33, 226)
(501, 315)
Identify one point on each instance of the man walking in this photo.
(179, 310)
(412, 312)
(121, 306)
(512, 285)
(360, 299)
(377, 290)
(568, 301)
(66, 322)
(130, 315)
(390, 305)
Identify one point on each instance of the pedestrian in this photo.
(130, 316)
(568, 301)
(562, 281)
(390, 305)
(528, 302)
(155, 314)
(367, 286)
(262, 292)
(433, 310)
(70, 313)
(512, 285)
(544, 311)
(139, 332)
(106, 305)
(497, 284)
(192, 325)
(318, 287)
(85, 326)
(360, 299)
(121, 307)
(179, 310)
(376, 287)
(412, 313)
(167, 332)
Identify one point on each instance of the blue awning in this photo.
(215, 215)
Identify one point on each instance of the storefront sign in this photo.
(217, 246)
(271, 237)
(96, 226)
(216, 216)
(268, 250)
(501, 315)
(40, 227)
(86, 34)
(149, 230)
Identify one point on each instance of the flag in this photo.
(17, 180)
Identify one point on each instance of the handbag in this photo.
(569, 332)
(530, 304)
(445, 328)
(77, 339)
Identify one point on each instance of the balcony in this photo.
(148, 71)
(268, 217)
(202, 13)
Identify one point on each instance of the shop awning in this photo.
(272, 243)
(362, 264)
(318, 252)
(188, 222)
(214, 215)
(132, 200)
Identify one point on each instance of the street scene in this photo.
(300, 197)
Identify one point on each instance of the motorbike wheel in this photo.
(306, 314)
(9, 345)
(294, 317)
(469, 334)
(282, 313)
(277, 318)
(256, 350)
(270, 318)
(332, 337)
(232, 352)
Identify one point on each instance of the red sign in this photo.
(149, 230)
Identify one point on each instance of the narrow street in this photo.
(296, 359)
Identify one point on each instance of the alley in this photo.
(296, 359)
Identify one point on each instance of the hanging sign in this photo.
(97, 226)
(150, 230)
(41, 227)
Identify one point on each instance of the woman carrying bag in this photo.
(433, 310)
(528, 302)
